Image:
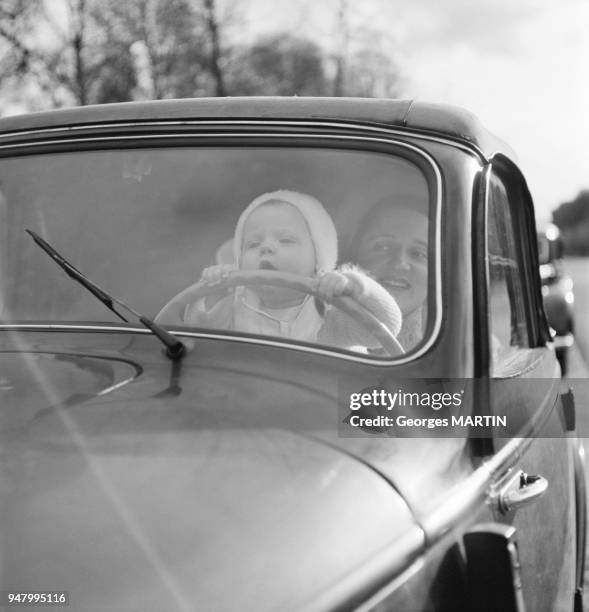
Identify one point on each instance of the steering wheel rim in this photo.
(173, 312)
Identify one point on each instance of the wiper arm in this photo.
(174, 348)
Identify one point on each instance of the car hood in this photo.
(140, 487)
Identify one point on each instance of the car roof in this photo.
(437, 119)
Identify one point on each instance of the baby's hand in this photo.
(215, 274)
(336, 284)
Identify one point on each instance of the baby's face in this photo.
(276, 237)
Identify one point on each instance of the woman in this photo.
(392, 245)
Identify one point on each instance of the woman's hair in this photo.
(350, 250)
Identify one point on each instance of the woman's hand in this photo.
(337, 284)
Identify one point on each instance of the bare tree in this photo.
(342, 38)
(279, 65)
(87, 56)
(149, 30)
(63, 65)
(372, 74)
(15, 18)
(111, 50)
(20, 62)
(363, 62)
(171, 38)
(78, 16)
(212, 24)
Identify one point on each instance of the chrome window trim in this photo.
(328, 137)
(466, 146)
(182, 333)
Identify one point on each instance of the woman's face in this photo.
(393, 248)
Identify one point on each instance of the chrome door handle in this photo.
(520, 490)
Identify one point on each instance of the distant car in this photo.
(153, 462)
(557, 291)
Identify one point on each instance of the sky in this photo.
(521, 66)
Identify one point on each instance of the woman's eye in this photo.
(252, 245)
(381, 246)
(419, 255)
(287, 240)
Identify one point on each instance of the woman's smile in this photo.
(396, 283)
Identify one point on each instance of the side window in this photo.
(507, 307)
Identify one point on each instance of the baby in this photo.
(291, 232)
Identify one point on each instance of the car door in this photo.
(532, 456)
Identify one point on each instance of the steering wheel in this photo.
(173, 312)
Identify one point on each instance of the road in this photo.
(578, 268)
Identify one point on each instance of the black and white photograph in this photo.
(293, 305)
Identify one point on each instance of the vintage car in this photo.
(557, 290)
(243, 427)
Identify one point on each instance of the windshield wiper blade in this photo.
(174, 347)
(74, 273)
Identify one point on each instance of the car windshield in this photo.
(145, 224)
